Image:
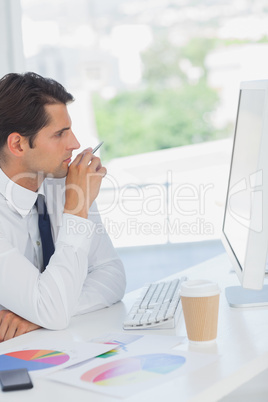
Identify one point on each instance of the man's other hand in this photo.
(12, 325)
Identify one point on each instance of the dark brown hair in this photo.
(22, 101)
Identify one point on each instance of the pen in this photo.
(97, 147)
(93, 150)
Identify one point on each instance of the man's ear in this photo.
(16, 144)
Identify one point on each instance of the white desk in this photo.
(242, 344)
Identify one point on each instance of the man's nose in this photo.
(74, 143)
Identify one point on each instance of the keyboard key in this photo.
(159, 305)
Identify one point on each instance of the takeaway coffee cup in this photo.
(200, 304)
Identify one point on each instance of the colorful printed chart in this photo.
(33, 359)
(134, 369)
(120, 341)
(110, 353)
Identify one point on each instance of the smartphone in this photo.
(14, 380)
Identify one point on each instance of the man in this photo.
(84, 272)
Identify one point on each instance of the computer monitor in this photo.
(245, 222)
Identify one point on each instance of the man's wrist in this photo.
(76, 231)
(81, 214)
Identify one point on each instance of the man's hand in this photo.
(83, 183)
(12, 325)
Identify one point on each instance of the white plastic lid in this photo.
(199, 288)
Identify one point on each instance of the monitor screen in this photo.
(243, 181)
(245, 223)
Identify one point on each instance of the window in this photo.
(151, 77)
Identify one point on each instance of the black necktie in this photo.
(45, 230)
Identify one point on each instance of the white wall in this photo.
(11, 48)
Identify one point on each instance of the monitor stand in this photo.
(240, 297)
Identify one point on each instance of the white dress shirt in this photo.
(83, 274)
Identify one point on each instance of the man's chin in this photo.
(60, 174)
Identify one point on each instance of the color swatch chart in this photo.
(120, 342)
(33, 359)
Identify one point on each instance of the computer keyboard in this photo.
(158, 305)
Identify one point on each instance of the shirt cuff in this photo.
(75, 231)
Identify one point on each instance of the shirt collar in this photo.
(20, 198)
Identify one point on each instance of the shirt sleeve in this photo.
(83, 274)
(47, 299)
(106, 281)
